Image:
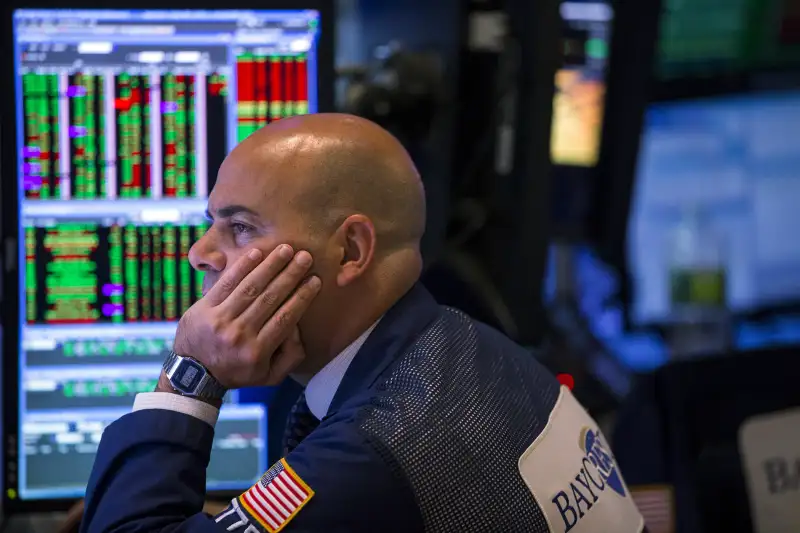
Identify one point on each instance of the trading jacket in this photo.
(440, 424)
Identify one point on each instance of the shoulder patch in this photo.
(573, 476)
(276, 498)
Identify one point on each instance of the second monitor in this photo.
(725, 166)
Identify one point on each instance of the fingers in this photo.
(229, 281)
(278, 328)
(252, 286)
(287, 358)
(275, 291)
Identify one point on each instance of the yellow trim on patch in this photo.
(297, 479)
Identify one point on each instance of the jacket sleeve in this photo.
(336, 481)
(149, 477)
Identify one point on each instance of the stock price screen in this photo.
(122, 121)
(116, 271)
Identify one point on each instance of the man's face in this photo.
(247, 209)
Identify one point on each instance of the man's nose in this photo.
(205, 255)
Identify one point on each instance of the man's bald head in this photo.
(339, 187)
(336, 165)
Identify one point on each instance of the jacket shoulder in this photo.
(462, 403)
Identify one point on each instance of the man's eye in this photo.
(239, 228)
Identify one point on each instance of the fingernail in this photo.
(285, 252)
(303, 258)
(255, 255)
(314, 282)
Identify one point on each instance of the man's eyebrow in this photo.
(230, 210)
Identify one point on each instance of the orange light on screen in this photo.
(577, 119)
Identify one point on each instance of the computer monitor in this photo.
(736, 158)
(579, 100)
(122, 120)
(705, 37)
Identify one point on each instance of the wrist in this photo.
(164, 385)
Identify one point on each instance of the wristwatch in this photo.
(190, 378)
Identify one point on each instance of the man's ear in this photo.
(357, 238)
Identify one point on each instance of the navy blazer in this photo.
(436, 426)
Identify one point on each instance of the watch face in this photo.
(186, 378)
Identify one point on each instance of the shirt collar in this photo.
(323, 386)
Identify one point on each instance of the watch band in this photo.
(208, 388)
(170, 360)
(212, 389)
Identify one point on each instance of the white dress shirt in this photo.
(323, 386)
(319, 392)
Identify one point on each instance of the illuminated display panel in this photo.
(122, 120)
(735, 159)
(705, 37)
(579, 101)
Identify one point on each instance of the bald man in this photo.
(413, 418)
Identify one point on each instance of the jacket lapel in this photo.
(397, 330)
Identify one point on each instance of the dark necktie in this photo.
(300, 424)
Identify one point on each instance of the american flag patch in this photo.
(277, 497)
(656, 505)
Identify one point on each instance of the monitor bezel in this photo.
(729, 84)
(9, 210)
